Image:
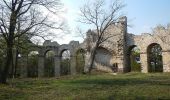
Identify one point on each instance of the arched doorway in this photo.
(33, 64)
(49, 64)
(80, 61)
(134, 59)
(154, 55)
(65, 62)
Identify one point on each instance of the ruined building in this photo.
(112, 56)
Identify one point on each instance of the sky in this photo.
(143, 15)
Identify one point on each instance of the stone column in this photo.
(120, 64)
(57, 66)
(166, 61)
(40, 66)
(73, 65)
(120, 67)
(24, 63)
(144, 62)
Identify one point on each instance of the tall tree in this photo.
(32, 20)
(101, 16)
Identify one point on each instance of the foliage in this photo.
(80, 61)
(135, 65)
(49, 67)
(2, 52)
(65, 67)
(33, 66)
(21, 17)
(131, 86)
(65, 63)
(49, 64)
(155, 58)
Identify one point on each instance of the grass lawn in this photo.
(130, 86)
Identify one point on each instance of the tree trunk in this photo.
(92, 58)
(12, 65)
(16, 62)
(5, 72)
(9, 56)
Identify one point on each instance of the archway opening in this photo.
(33, 64)
(134, 59)
(154, 53)
(65, 62)
(80, 61)
(49, 64)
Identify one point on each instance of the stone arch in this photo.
(63, 48)
(154, 58)
(133, 58)
(80, 60)
(32, 66)
(65, 56)
(49, 63)
(49, 48)
(72, 49)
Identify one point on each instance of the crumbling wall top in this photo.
(49, 43)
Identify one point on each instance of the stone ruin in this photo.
(113, 52)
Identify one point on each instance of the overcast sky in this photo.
(142, 16)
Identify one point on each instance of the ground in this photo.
(130, 86)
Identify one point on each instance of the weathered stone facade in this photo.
(114, 52)
(144, 41)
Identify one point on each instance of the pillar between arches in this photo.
(57, 66)
(73, 65)
(24, 72)
(144, 64)
(166, 61)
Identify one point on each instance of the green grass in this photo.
(131, 86)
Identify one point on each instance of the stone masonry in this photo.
(113, 52)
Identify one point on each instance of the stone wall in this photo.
(115, 45)
(115, 52)
(158, 36)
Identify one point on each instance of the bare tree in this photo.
(21, 17)
(162, 33)
(101, 16)
(80, 32)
